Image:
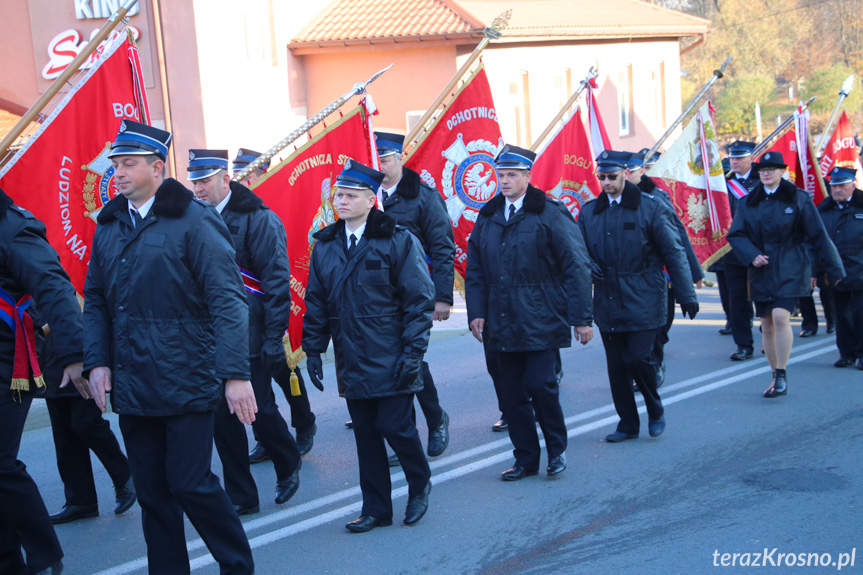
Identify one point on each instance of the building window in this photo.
(624, 101)
(662, 94)
(519, 94)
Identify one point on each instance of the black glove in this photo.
(596, 273)
(315, 367)
(408, 370)
(273, 355)
(689, 308)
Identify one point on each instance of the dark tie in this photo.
(353, 245)
(511, 211)
(384, 195)
(613, 204)
(136, 218)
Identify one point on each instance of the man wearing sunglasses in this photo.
(630, 237)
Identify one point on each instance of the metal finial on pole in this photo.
(847, 86)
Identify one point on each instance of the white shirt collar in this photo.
(770, 191)
(615, 200)
(744, 176)
(357, 232)
(518, 203)
(145, 209)
(389, 191)
(221, 205)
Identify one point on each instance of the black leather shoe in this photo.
(725, 330)
(808, 333)
(439, 437)
(393, 461)
(350, 425)
(655, 427)
(831, 328)
(500, 425)
(74, 513)
(556, 465)
(517, 472)
(258, 454)
(742, 354)
(250, 510)
(417, 506)
(778, 387)
(125, 497)
(306, 439)
(366, 523)
(619, 436)
(844, 362)
(54, 569)
(286, 488)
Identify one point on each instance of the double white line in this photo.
(711, 381)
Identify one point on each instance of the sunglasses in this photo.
(603, 177)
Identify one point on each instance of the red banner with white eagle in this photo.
(300, 191)
(456, 156)
(564, 166)
(799, 154)
(842, 151)
(691, 172)
(62, 173)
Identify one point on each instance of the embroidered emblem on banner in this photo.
(99, 185)
(469, 179)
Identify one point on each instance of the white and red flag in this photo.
(598, 135)
(691, 172)
(842, 150)
(799, 154)
(62, 173)
(456, 156)
(564, 166)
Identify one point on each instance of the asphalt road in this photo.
(733, 473)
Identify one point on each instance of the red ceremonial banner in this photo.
(300, 191)
(788, 146)
(564, 167)
(456, 156)
(842, 151)
(62, 174)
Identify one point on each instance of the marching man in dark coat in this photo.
(842, 214)
(528, 280)
(262, 258)
(166, 333)
(630, 237)
(369, 290)
(30, 272)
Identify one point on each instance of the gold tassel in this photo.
(292, 360)
(40, 381)
(20, 384)
(295, 384)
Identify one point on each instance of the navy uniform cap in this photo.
(770, 160)
(842, 175)
(514, 158)
(245, 157)
(611, 161)
(356, 176)
(136, 139)
(648, 162)
(205, 163)
(389, 144)
(636, 161)
(740, 149)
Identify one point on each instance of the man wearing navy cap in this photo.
(630, 237)
(527, 281)
(421, 210)
(262, 258)
(245, 157)
(842, 214)
(166, 328)
(369, 290)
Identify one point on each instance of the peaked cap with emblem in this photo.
(770, 160)
(205, 163)
(245, 157)
(389, 144)
(514, 158)
(611, 161)
(136, 139)
(839, 175)
(740, 149)
(648, 162)
(356, 176)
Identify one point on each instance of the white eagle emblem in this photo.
(698, 212)
(469, 179)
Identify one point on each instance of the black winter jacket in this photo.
(164, 306)
(29, 265)
(632, 293)
(528, 277)
(845, 228)
(780, 226)
(376, 305)
(261, 246)
(421, 210)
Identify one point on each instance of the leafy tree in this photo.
(735, 104)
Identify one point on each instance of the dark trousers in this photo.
(629, 356)
(302, 418)
(849, 323)
(170, 461)
(376, 420)
(428, 400)
(493, 368)
(662, 332)
(740, 312)
(24, 519)
(78, 427)
(722, 285)
(528, 383)
(808, 313)
(233, 445)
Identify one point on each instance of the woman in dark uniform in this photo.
(771, 229)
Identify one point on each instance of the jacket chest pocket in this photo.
(373, 273)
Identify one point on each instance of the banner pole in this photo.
(64, 76)
(847, 86)
(569, 103)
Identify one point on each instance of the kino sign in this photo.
(101, 9)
